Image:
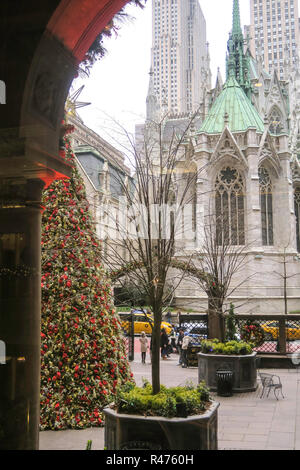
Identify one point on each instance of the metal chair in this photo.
(270, 382)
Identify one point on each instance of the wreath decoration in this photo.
(252, 332)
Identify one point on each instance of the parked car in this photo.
(142, 322)
(271, 329)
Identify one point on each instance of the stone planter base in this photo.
(243, 368)
(135, 432)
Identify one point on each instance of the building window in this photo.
(276, 121)
(230, 207)
(266, 206)
(297, 213)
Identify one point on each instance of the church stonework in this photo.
(246, 151)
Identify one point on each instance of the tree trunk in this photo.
(216, 322)
(156, 354)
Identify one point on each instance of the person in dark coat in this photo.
(164, 341)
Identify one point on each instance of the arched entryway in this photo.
(42, 44)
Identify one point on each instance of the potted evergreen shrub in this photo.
(235, 356)
(178, 418)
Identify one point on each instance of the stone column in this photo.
(285, 233)
(20, 312)
(253, 211)
(202, 188)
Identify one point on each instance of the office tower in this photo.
(179, 54)
(275, 33)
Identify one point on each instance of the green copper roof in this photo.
(233, 108)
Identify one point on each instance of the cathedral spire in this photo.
(237, 62)
(236, 19)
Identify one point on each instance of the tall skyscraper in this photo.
(179, 55)
(275, 33)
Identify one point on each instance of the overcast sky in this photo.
(118, 83)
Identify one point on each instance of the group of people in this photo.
(168, 344)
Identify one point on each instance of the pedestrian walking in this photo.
(144, 346)
(185, 344)
(164, 340)
(179, 344)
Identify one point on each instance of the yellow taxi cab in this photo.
(271, 329)
(142, 322)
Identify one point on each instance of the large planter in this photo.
(199, 432)
(242, 366)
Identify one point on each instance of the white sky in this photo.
(118, 83)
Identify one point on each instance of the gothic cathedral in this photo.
(244, 147)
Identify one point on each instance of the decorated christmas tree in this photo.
(82, 349)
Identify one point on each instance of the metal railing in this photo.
(196, 326)
(281, 332)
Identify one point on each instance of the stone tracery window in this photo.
(276, 121)
(230, 207)
(297, 213)
(266, 206)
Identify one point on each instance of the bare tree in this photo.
(150, 222)
(222, 257)
(285, 276)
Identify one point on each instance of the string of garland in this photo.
(97, 50)
(252, 332)
(18, 271)
(114, 275)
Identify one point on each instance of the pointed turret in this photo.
(237, 62)
(236, 19)
(151, 100)
(219, 80)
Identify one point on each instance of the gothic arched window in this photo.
(266, 206)
(230, 207)
(297, 213)
(276, 121)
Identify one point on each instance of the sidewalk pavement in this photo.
(246, 421)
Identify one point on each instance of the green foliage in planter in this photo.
(230, 347)
(169, 402)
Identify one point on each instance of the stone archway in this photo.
(41, 46)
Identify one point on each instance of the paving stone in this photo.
(281, 439)
(278, 448)
(229, 436)
(242, 445)
(283, 426)
(233, 429)
(255, 438)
